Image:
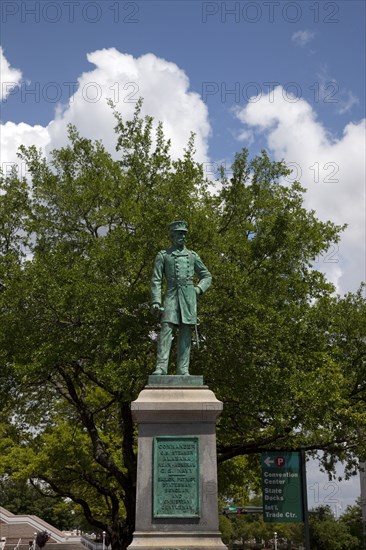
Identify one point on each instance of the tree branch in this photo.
(85, 506)
(226, 453)
(100, 453)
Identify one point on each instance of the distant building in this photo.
(14, 527)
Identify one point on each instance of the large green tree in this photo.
(352, 518)
(20, 497)
(327, 532)
(77, 339)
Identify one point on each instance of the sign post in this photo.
(282, 487)
(305, 500)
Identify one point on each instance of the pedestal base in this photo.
(176, 497)
(177, 541)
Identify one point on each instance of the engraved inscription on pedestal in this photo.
(176, 477)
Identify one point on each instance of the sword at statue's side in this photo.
(197, 337)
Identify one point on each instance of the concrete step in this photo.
(10, 545)
(67, 546)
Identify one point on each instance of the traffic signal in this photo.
(233, 510)
(242, 510)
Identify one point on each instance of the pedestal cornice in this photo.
(186, 404)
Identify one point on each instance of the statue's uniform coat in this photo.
(180, 301)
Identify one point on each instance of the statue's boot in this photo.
(164, 345)
(159, 370)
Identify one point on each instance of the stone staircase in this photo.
(14, 527)
(10, 545)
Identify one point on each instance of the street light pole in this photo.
(275, 540)
(103, 540)
(337, 507)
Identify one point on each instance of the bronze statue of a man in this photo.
(178, 265)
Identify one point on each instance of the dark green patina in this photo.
(175, 380)
(186, 278)
(176, 477)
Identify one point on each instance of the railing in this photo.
(91, 545)
(36, 523)
(17, 546)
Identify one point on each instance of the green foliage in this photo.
(251, 527)
(326, 532)
(77, 339)
(21, 497)
(352, 518)
(226, 529)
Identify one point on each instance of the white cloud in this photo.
(328, 91)
(347, 101)
(332, 171)
(123, 78)
(10, 77)
(12, 136)
(247, 136)
(301, 38)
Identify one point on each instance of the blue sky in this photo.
(285, 76)
(245, 47)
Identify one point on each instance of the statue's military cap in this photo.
(178, 226)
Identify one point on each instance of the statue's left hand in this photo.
(198, 290)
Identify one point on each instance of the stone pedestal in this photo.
(176, 506)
